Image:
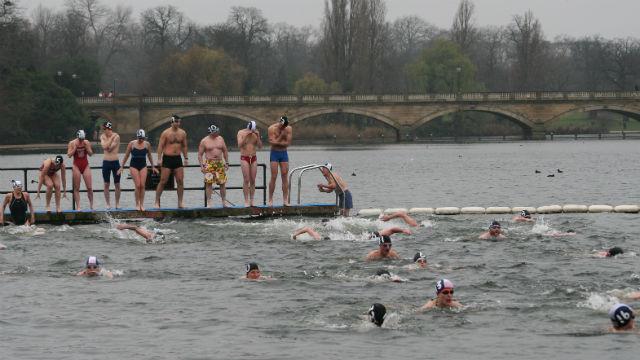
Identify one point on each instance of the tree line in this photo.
(89, 46)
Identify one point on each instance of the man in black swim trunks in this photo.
(18, 202)
(173, 141)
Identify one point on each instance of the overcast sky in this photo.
(609, 18)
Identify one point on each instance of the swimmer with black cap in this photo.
(613, 252)
(386, 275)
(18, 201)
(420, 260)
(384, 250)
(444, 297)
(523, 216)
(495, 232)
(93, 268)
(252, 272)
(49, 177)
(377, 313)
(622, 318)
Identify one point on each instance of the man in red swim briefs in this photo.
(80, 150)
(249, 142)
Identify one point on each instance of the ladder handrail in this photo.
(291, 172)
(338, 187)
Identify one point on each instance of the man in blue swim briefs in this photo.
(280, 135)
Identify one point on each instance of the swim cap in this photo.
(616, 250)
(384, 239)
(377, 313)
(16, 184)
(140, 134)
(251, 266)
(92, 260)
(381, 272)
(525, 213)
(251, 125)
(621, 315)
(494, 225)
(80, 134)
(284, 120)
(175, 118)
(443, 284)
(59, 160)
(213, 129)
(419, 255)
(108, 125)
(329, 166)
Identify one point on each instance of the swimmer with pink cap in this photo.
(93, 268)
(444, 297)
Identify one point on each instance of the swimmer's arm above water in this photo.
(7, 198)
(394, 230)
(306, 230)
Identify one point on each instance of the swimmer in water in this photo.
(622, 318)
(402, 215)
(377, 313)
(93, 268)
(444, 297)
(616, 250)
(18, 201)
(306, 230)
(252, 272)
(495, 232)
(524, 216)
(384, 249)
(556, 233)
(149, 236)
(2, 247)
(420, 260)
(386, 275)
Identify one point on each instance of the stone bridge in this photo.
(405, 113)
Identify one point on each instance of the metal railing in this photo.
(302, 170)
(26, 182)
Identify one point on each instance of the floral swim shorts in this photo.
(214, 172)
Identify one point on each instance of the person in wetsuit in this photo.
(18, 202)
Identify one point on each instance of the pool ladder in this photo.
(302, 170)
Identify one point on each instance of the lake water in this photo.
(530, 296)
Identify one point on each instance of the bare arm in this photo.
(7, 198)
(259, 143)
(89, 148)
(201, 153)
(71, 148)
(163, 139)
(394, 230)
(115, 142)
(150, 155)
(30, 204)
(271, 133)
(104, 143)
(225, 153)
(400, 214)
(45, 168)
(126, 157)
(185, 149)
(63, 177)
(306, 230)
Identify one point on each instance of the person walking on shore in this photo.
(173, 141)
(213, 157)
(49, 177)
(110, 142)
(249, 142)
(80, 149)
(139, 150)
(280, 135)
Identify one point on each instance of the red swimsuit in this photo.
(80, 158)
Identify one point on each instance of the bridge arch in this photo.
(164, 119)
(517, 118)
(295, 118)
(619, 109)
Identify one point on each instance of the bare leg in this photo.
(246, 184)
(88, 183)
(223, 194)
(142, 181)
(179, 174)
(272, 181)
(252, 182)
(117, 195)
(208, 191)
(135, 175)
(164, 177)
(284, 174)
(76, 186)
(107, 195)
(49, 183)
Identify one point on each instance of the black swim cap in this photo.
(251, 266)
(377, 313)
(284, 120)
(525, 213)
(419, 255)
(616, 250)
(59, 159)
(495, 225)
(384, 239)
(381, 272)
(175, 118)
(621, 315)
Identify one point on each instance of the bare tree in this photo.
(43, 20)
(165, 29)
(527, 41)
(621, 64)
(491, 58)
(463, 31)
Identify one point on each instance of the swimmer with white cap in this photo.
(93, 268)
(252, 272)
(18, 201)
(494, 233)
(377, 313)
(523, 216)
(444, 297)
(384, 250)
(149, 236)
(622, 318)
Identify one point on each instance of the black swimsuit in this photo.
(18, 209)
(138, 158)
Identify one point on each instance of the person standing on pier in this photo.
(49, 177)
(173, 141)
(280, 135)
(80, 149)
(337, 184)
(110, 142)
(213, 157)
(249, 142)
(139, 150)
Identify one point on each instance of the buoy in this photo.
(498, 210)
(417, 210)
(370, 212)
(626, 209)
(571, 208)
(472, 210)
(600, 208)
(447, 211)
(549, 209)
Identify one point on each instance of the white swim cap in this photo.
(80, 134)
(213, 129)
(251, 125)
(140, 134)
(329, 166)
(108, 125)
(92, 260)
(16, 184)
